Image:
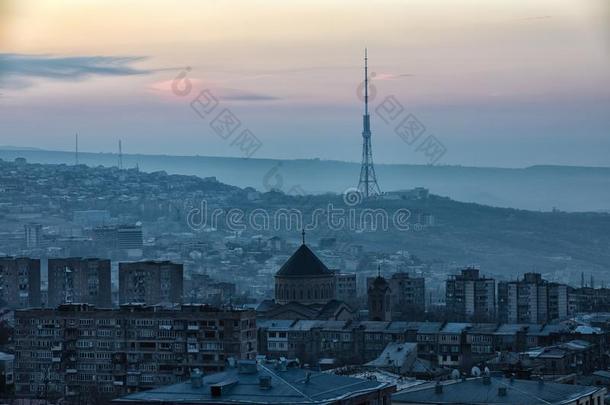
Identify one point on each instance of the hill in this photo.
(533, 188)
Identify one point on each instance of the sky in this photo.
(507, 83)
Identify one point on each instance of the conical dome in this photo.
(303, 263)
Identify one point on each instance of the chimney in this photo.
(486, 380)
(438, 388)
(502, 391)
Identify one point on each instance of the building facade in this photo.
(20, 282)
(78, 349)
(130, 237)
(79, 280)
(532, 300)
(450, 344)
(408, 293)
(151, 282)
(470, 295)
(346, 287)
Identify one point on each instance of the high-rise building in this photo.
(105, 237)
(125, 237)
(532, 300)
(33, 235)
(78, 351)
(150, 282)
(20, 282)
(129, 237)
(470, 295)
(408, 293)
(79, 280)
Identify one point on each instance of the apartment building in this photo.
(78, 348)
(19, 282)
(470, 295)
(448, 344)
(407, 293)
(150, 282)
(532, 300)
(79, 280)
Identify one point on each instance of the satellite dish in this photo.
(475, 371)
(486, 371)
(455, 374)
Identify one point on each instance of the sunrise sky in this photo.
(504, 83)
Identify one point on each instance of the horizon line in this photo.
(13, 148)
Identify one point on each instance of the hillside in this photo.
(534, 188)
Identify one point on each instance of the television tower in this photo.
(367, 184)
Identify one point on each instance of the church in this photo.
(305, 289)
(304, 279)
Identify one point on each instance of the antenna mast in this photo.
(367, 184)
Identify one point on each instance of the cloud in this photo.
(242, 95)
(538, 17)
(164, 89)
(389, 76)
(19, 70)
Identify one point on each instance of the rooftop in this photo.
(394, 355)
(258, 384)
(496, 391)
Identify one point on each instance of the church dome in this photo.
(304, 263)
(304, 279)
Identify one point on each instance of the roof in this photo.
(394, 355)
(602, 373)
(588, 330)
(548, 330)
(429, 327)
(475, 391)
(333, 308)
(510, 328)
(302, 263)
(287, 387)
(454, 327)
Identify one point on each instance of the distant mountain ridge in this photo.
(540, 187)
